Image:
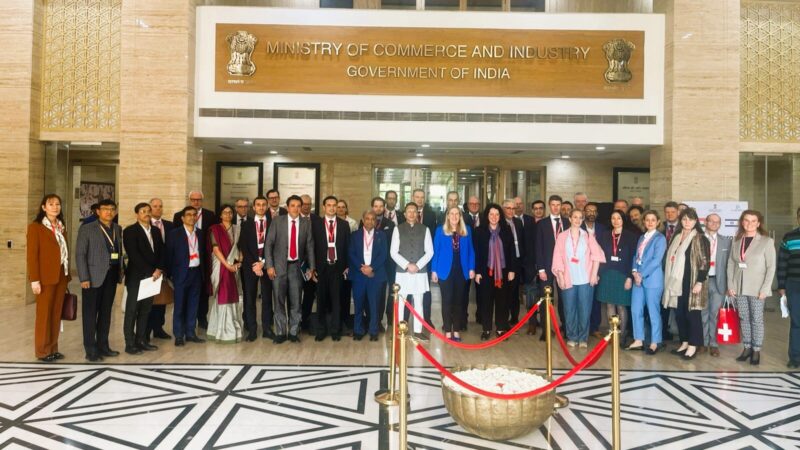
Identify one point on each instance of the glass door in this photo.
(437, 182)
(769, 183)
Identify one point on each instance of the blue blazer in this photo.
(177, 246)
(650, 266)
(380, 253)
(443, 254)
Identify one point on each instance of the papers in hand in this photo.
(149, 288)
(784, 307)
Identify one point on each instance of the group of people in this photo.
(308, 269)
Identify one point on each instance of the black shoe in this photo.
(755, 359)
(336, 337)
(687, 357)
(57, 355)
(267, 334)
(358, 337)
(108, 353)
(746, 354)
(678, 351)
(485, 335)
(421, 337)
(542, 338)
(133, 350)
(195, 339)
(279, 340)
(147, 347)
(381, 329)
(179, 342)
(94, 358)
(650, 351)
(294, 338)
(161, 334)
(49, 358)
(251, 337)
(319, 337)
(202, 324)
(373, 337)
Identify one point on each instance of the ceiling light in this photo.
(87, 143)
(273, 152)
(564, 156)
(420, 155)
(600, 147)
(425, 145)
(247, 142)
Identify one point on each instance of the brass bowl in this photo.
(495, 419)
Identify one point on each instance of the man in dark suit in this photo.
(98, 255)
(472, 219)
(393, 213)
(368, 253)
(274, 200)
(289, 250)
(427, 217)
(205, 218)
(242, 206)
(144, 247)
(252, 241)
(331, 240)
(385, 292)
(157, 317)
(185, 256)
(546, 232)
(309, 286)
(517, 230)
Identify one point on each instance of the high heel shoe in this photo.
(755, 359)
(678, 351)
(746, 354)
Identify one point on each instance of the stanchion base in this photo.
(387, 398)
(561, 401)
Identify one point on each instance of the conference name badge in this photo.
(616, 258)
(260, 245)
(114, 256)
(712, 264)
(193, 256)
(742, 265)
(574, 260)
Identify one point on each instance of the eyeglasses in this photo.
(273, 197)
(195, 199)
(108, 208)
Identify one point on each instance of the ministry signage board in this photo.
(427, 61)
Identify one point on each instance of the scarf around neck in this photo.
(58, 232)
(497, 259)
(674, 270)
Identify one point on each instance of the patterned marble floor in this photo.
(315, 407)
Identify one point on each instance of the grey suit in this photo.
(717, 286)
(288, 282)
(91, 252)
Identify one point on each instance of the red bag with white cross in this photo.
(728, 323)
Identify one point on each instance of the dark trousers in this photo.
(329, 302)
(426, 303)
(156, 319)
(465, 301)
(187, 298)
(690, 323)
(513, 299)
(345, 293)
(453, 306)
(251, 283)
(494, 301)
(136, 314)
(665, 330)
(597, 315)
(793, 298)
(96, 304)
(307, 304)
(365, 298)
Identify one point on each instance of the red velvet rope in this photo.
(480, 346)
(561, 340)
(593, 356)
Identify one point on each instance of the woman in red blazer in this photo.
(48, 272)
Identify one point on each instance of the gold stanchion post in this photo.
(561, 401)
(389, 397)
(616, 430)
(403, 329)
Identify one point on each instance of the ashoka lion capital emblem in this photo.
(241, 45)
(618, 53)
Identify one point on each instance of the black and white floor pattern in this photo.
(316, 407)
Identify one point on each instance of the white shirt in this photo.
(156, 223)
(199, 223)
(194, 248)
(149, 236)
(712, 239)
(554, 226)
(289, 236)
(391, 215)
(476, 219)
(369, 237)
(514, 232)
(327, 239)
(590, 230)
(242, 219)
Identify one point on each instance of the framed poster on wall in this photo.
(632, 182)
(238, 180)
(91, 192)
(297, 179)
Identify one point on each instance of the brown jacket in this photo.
(44, 255)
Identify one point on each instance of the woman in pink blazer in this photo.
(576, 260)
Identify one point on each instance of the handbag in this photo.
(728, 324)
(166, 296)
(70, 309)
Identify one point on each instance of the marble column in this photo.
(700, 156)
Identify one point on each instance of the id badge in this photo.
(114, 256)
(615, 258)
(575, 260)
(712, 264)
(260, 245)
(742, 265)
(331, 244)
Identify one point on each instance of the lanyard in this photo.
(192, 241)
(713, 251)
(615, 238)
(111, 239)
(645, 240)
(743, 248)
(575, 243)
(368, 243)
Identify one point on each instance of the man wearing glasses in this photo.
(205, 217)
(274, 200)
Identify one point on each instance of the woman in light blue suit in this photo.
(452, 266)
(648, 276)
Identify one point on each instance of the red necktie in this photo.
(293, 242)
(261, 232)
(331, 250)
